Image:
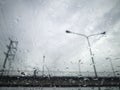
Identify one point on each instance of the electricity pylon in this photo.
(10, 54)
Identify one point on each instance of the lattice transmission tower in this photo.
(9, 55)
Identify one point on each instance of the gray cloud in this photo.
(40, 26)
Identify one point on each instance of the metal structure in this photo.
(110, 60)
(79, 65)
(89, 45)
(10, 54)
(43, 67)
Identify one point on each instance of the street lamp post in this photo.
(43, 67)
(79, 68)
(89, 45)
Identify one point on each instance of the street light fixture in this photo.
(90, 50)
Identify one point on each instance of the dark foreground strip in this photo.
(58, 81)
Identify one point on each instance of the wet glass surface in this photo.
(54, 88)
(51, 38)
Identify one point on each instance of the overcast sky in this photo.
(39, 26)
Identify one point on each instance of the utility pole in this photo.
(43, 67)
(10, 54)
(79, 64)
(110, 60)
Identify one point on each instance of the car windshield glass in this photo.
(60, 39)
